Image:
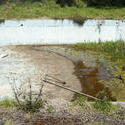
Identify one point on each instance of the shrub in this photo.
(105, 2)
(28, 96)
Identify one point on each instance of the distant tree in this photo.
(65, 2)
(105, 2)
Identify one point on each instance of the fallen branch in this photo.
(72, 90)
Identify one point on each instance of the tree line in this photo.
(77, 3)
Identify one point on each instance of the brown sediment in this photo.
(90, 82)
(88, 78)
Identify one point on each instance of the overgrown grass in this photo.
(114, 49)
(53, 10)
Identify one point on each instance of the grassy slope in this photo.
(38, 10)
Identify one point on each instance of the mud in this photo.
(90, 81)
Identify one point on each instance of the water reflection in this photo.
(60, 31)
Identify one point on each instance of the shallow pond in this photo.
(50, 31)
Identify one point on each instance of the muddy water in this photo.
(90, 80)
(50, 31)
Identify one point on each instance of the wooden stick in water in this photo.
(72, 90)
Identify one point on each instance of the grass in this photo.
(8, 122)
(7, 103)
(114, 49)
(52, 10)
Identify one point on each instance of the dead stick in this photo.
(71, 90)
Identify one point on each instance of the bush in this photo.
(28, 96)
(29, 106)
(65, 2)
(77, 3)
(105, 2)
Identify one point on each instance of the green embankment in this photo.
(52, 10)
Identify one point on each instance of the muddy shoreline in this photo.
(88, 74)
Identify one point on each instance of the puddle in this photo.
(90, 80)
(64, 31)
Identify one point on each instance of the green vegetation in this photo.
(103, 104)
(8, 122)
(114, 54)
(7, 103)
(30, 106)
(114, 49)
(106, 2)
(50, 109)
(80, 101)
(117, 88)
(49, 9)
